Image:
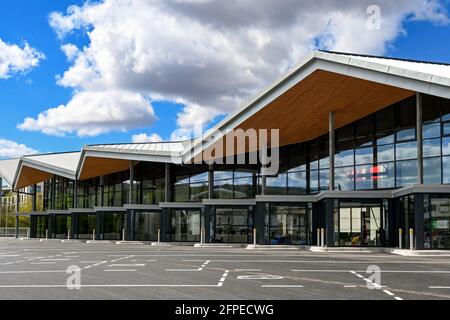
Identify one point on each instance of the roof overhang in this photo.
(36, 169)
(98, 161)
(298, 104)
(8, 169)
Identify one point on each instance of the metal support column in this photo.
(34, 199)
(102, 191)
(329, 222)
(419, 138)
(211, 182)
(53, 193)
(130, 199)
(419, 223)
(167, 193)
(332, 149)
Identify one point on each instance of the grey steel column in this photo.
(17, 213)
(419, 138)
(329, 222)
(332, 149)
(131, 200)
(75, 194)
(34, 200)
(263, 183)
(211, 182)
(167, 195)
(102, 191)
(53, 194)
(419, 223)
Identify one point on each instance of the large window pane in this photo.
(386, 153)
(431, 130)
(314, 181)
(324, 179)
(277, 185)
(344, 158)
(387, 138)
(406, 151)
(243, 188)
(185, 225)
(223, 189)
(406, 173)
(446, 128)
(232, 226)
(289, 225)
(344, 178)
(297, 183)
(445, 110)
(364, 156)
(446, 146)
(440, 223)
(446, 168)
(386, 175)
(432, 148)
(432, 170)
(364, 177)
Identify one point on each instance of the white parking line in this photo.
(120, 270)
(190, 270)
(282, 286)
(388, 292)
(126, 265)
(376, 285)
(248, 270)
(438, 287)
(224, 277)
(55, 259)
(42, 263)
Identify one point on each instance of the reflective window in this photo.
(297, 183)
(233, 226)
(406, 151)
(185, 225)
(344, 158)
(364, 177)
(290, 225)
(324, 179)
(314, 181)
(432, 148)
(406, 134)
(432, 130)
(277, 185)
(446, 169)
(386, 153)
(146, 226)
(446, 128)
(446, 146)
(364, 156)
(437, 230)
(386, 175)
(432, 171)
(406, 173)
(344, 178)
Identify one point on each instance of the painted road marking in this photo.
(248, 270)
(281, 286)
(42, 263)
(224, 277)
(190, 270)
(127, 265)
(260, 277)
(376, 286)
(120, 270)
(55, 259)
(382, 271)
(39, 271)
(352, 286)
(438, 287)
(116, 286)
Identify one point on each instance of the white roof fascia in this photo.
(349, 65)
(48, 168)
(8, 170)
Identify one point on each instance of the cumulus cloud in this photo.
(14, 59)
(143, 138)
(93, 113)
(11, 149)
(210, 55)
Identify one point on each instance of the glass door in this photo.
(233, 225)
(146, 226)
(113, 224)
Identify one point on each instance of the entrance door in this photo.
(360, 224)
(233, 225)
(113, 225)
(146, 225)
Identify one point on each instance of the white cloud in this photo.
(214, 55)
(143, 138)
(11, 149)
(94, 113)
(14, 59)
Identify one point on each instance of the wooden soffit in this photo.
(30, 176)
(96, 167)
(301, 113)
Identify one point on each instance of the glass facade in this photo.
(146, 225)
(61, 226)
(233, 225)
(437, 222)
(185, 225)
(290, 224)
(84, 226)
(361, 223)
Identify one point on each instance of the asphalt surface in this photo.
(38, 270)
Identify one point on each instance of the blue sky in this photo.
(28, 94)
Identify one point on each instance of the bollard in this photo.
(400, 238)
(123, 235)
(68, 234)
(322, 237)
(93, 235)
(254, 237)
(46, 233)
(318, 237)
(159, 236)
(202, 232)
(28, 233)
(411, 239)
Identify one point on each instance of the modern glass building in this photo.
(364, 154)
